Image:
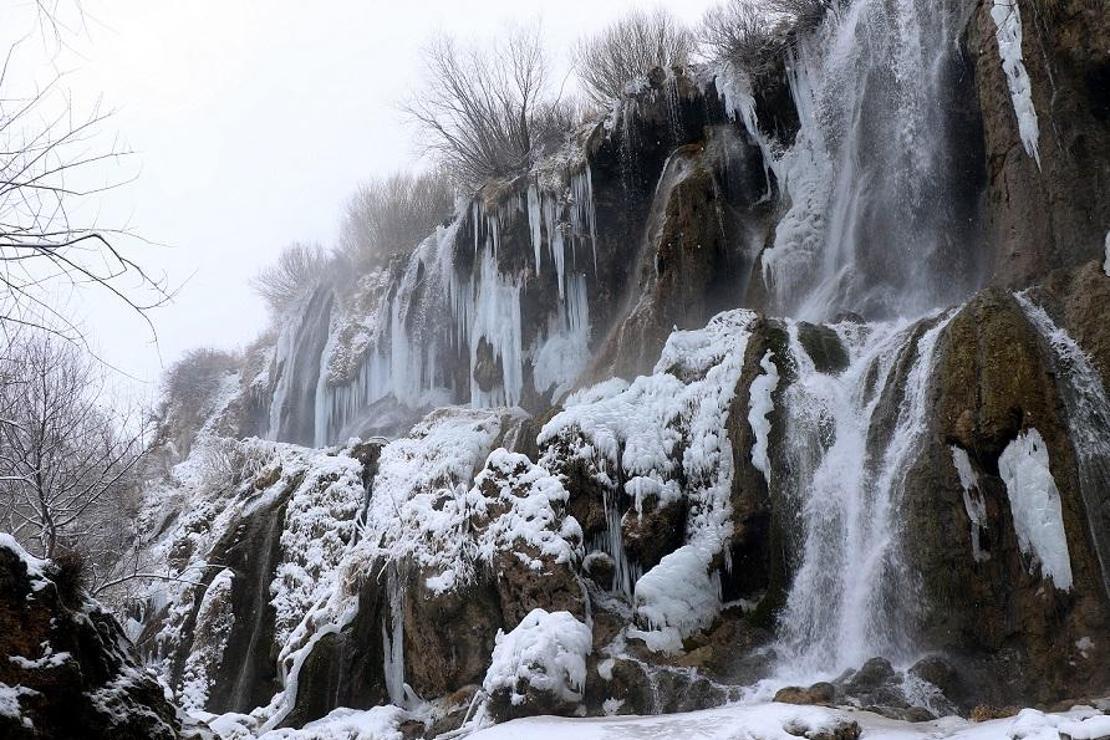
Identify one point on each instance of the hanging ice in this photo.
(1007, 21)
(1035, 504)
(973, 501)
(760, 407)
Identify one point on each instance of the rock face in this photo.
(648, 496)
(67, 662)
(1046, 212)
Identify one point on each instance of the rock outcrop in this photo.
(68, 670)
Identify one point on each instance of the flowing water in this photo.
(851, 438)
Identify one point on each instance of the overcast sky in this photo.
(251, 123)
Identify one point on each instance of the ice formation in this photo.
(973, 501)
(760, 407)
(1007, 21)
(676, 598)
(1035, 505)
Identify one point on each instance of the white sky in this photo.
(252, 122)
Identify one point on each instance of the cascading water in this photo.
(851, 438)
(879, 217)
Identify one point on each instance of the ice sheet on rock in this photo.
(1035, 505)
(546, 651)
(974, 504)
(215, 619)
(1007, 21)
(760, 407)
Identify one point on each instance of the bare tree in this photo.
(66, 461)
(51, 161)
(299, 268)
(630, 47)
(489, 112)
(391, 215)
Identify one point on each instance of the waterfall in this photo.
(850, 598)
(877, 219)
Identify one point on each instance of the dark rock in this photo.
(819, 693)
(488, 369)
(824, 347)
(96, 688)
(655, 532)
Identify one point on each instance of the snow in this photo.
(760, 407)
(974, 504)
(529, 496)
(1007, 21)
(9, 703)
(675, 598)
(319, 523)
(1035, 504)
(214, 622)
(659, 439)
(377, 723)
(420, 507)
(772, 721)
(34, 565)
(546, 651)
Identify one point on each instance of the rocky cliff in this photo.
(794, 380)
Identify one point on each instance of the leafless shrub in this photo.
(299, 268)
(755, 36)
(488, 112)
(629, 48)
(390, 215)
(189, 389)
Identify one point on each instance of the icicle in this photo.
(535, 222)
(393, 640)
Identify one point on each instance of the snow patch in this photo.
(9, 703)
(546, 651)
(1035, 504)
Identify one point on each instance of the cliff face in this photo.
(736, 386)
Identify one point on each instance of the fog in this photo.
(249, 125)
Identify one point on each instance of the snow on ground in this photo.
(1035, 504)
(9, 703)
(791, 722)
(546, 651)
